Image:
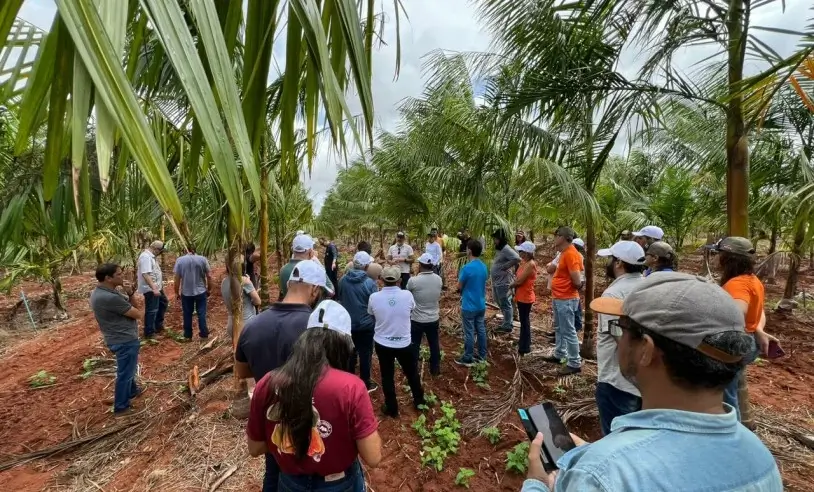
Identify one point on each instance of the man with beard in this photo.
(267, 339)
(566, 283)
(615, 396)
(502, 273)
(681, 340)
(401, 255)
(648, 235)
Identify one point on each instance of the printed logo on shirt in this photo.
(281, 438)
(391, 301)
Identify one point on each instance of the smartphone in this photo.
(775, 351)
(556, 439)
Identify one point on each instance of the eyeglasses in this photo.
(618, 326)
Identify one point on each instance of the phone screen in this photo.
(556, 439)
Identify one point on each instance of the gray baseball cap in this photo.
(660, 249)
(735, 245)
(684, 308)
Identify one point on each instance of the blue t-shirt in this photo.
(473, 281)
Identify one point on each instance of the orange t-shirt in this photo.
(749, 289)
(561, 286)
(525, 291)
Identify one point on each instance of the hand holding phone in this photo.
(557, 441)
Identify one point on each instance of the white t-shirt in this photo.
(391, 307)
(434, 249)
(147, 264)
(399, 253)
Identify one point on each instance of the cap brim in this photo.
(607, 305)
(604, 252)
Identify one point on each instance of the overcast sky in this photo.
(451, 25)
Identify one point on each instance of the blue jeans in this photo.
(731, 390)
(154, 308)
(272, 477)
(567, 343)
(503, 298)
(613, 402)
(578, 317)
(126, 365)
(474, 321)
(353, 481)
(190, 304)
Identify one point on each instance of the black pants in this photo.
(405, 277)
(418, 330)
(363, 350)
(332, 276)
(524, 344)
(387, 365)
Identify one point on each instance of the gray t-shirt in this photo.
(192, 269)
(109, 307)
(249, 310)
(426, 289)
(148, 264)
(606, 357)
(503, 266)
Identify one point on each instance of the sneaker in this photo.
(124, 413)
(503, 331)
(388, 413)
(552, 359)
(464, 362)
(371, 386)
(139, 392)
(568, 370)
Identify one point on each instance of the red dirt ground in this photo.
(195, 440)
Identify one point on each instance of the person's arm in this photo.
(524, 273)
(512, 258)
(210, 283)
(241, 367)
(133, 311)
(256, 426)
(145, 266)
(370, 449)
(176, 281)
(248, 287)
(574, 264)
(410, 255)
(136, 314)
(365, 426)
(462, 279)
(390, 254)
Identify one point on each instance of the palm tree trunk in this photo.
(796, 257)
(588, 335)
(265, 280)
(56, 286)
(811, 257)
(773, 239)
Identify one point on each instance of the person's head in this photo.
(499, 239)
(302, 247)
(157, 247)
(362, 260)
(190, 248)
(110, 274)
(660, 256)
(526, 250)
(626, 235)
(432, 235)
(364, 246)
(391, 276)
(474, 248)
(678, 334)
(563, 237)
(463, 234)
(736, 256)
(519, 237)
(425, 263)
(579, 244)
(647, 235)
(400, 237)
(306, 284)
(323, 241)
(623, 257)
(325, 343)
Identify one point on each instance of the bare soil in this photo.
(180, 443)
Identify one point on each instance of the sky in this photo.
(451, 25)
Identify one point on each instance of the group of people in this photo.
(670, 348)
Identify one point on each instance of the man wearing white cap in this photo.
(302, 248)
(355, 289)
(401, 254)
(648, 235)
(615, 395)
(426, 289)
(151, 284)
(268, 339)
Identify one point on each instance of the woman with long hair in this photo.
(736, 259)
(313, 416)
(524, 293)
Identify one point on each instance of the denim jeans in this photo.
(190, 304)
(567, 343)
(613, 402)
(271, 479)
(578, 317)
(154, 308)
(474, 322)
(126, 365)
(353, 481)
(731, 390)
(524, 344)
(503, 298)
(363, 350)
(387, 367)
(417, 332)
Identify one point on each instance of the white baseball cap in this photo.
(302, 243)
(527, 247)
(578, 242)
(628, 251)
(331, 315)
(310, 272)
(362, 258)
(425, 259)
(299, 232)
(650, 231)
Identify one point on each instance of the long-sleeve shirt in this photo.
(503, 266)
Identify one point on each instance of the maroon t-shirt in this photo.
(343, 414)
